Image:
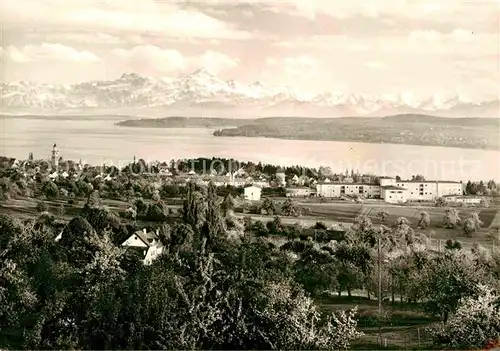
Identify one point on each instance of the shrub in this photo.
(424, 220)
(440, 202)
(475, 324)
(61, 210)
(320, 225)
(382, 215)
(451, 218)
(41, 207)
(484, 203)
(472, 223)
(453, 245)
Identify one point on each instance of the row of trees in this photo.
(444, 283)
(480, 188)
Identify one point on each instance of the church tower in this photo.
(55, 157)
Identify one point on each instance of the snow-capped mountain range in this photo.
(202, 93)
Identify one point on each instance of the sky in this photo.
(384, 47)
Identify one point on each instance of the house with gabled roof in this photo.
(146, 241)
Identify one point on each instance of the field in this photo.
(405, 325)
(329, 213)
(347, 212)
(403, 328)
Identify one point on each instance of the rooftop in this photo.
(346, 183)
(253, 186)
(392, 187)
(148, 238)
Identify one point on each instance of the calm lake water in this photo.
(99, 140)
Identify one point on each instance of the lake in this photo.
(99, 140)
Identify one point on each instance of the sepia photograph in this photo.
(250, 175)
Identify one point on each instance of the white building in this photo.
(252, 193)
(393, 194)
(424, 190)
(463, 199)
(298, 191)
(281, 178)
(148, 242)
(329, 189)
(164, 172)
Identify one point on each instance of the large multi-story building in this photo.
(391, 190)
(302, 191)
(416, 190)
(328, 189)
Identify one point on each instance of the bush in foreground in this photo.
(475, 324)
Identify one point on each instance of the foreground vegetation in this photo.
(223, 284)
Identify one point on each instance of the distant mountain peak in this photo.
(130, 76)
(202, 72)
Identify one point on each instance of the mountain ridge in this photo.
(201, 91)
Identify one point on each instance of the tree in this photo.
(50, 189)
(100, 218)
(260, 228)
(192, 210)
(362, 232)
(290, 208)
(181, 236)
(306, 211)
(403, 231)
(451, 218)
(156, 196)
(213, 228)
(447, 279)
(475, 218)
(491, 184)
(61, 210)
(316, 271)
(475, 323)
(294, 231)
(94, 200)
(141, 206)
(320, 225)
(275, 226)
(472, 224)
(130, 213)
(42, 207)
(453, 245)
(382, 215)
(228, 204)
(441, 202)
(268, 206)
(469, 188)
(424, 220)
(157, 212)
(418, 178)
(484, 203)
